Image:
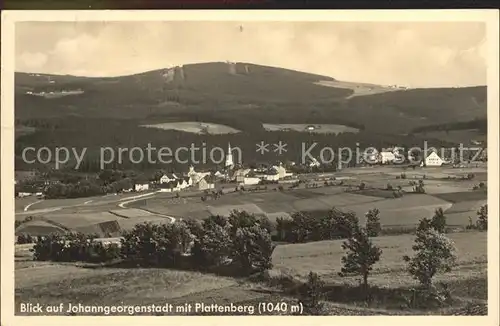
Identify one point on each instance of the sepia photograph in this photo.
(216, 164)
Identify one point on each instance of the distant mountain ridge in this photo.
(260, 94)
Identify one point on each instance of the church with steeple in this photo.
(229, 158)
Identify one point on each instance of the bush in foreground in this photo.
(361, 255)
(434, 253)
(482, 218)
(373, 227)
(311, 294)
(156, 245)
(74, 247)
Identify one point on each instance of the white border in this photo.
(9, 18)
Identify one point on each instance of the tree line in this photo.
(241, 244)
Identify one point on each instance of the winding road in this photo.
(98, 204)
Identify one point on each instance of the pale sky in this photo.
(414, 54)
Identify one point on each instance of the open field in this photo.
(455, 196)
(456, 136)
(325, 256)
(39, 227)
(359, 89)
(195, 127)
(52, 283)
(404, 211)
(21, 203)
(315, 128)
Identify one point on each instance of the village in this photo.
(239, 175)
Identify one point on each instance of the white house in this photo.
(182, 183)
(141, 186)
(196, 176)
(282, 172)
(166, 178)
(240, 174)
(387, 157)
(24, 194)
(171, 186)
(268, 175)
(203, 184)
(433, 160)
(189, 181)
(250, 181)
(219, 174)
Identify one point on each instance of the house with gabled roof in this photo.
(268, 175)
(433, 159)
(167, 177)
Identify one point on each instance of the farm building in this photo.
(204, 184)
(371, 156)
(24, 194)
(196, 176)
(387, 157)
(250, 181)
(219, 174)
(282, 172)
(240, 174)
(171, 186)
(141, 186)
(166, 178)
(433, 160)
(268, 175)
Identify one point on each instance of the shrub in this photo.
(241, 219)
(74, 247)
(434, 253)
(252, 249)
(438, 221)
(344, 223)
(373, 226)
(266, 223)
(302, 228)
(424, 224)
(403, 175)
(156, 245)
(105, 252)
(361, 255)
(389, 187)
(471, 226)
(212, 247)
(482, 219)
(311, 294)
(25, 238)
(419, 188)
(362, 186)
(284, 229)
(397, 193)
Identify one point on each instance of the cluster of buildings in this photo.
(396, 154)
(272, 174)
(63, 92)
(172, 182)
